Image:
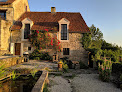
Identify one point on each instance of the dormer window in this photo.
(64, 32)
(3, 14)
(26, 31)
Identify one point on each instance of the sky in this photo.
(104, 14)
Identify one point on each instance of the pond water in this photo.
(23, 83)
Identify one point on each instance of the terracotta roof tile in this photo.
(48, 20)
(7, 2)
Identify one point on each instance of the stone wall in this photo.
(77, 52)
(38, 87)
(9, 12)
(20, 7)
(4, 34)
(11, 60)
(25, 47)
(16, 36)
(5, 29)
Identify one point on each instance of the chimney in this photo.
(53, 10)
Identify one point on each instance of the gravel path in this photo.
(84, 81)
(59, 84)
(91, 83)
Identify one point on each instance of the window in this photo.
(65, 51)
(26, 31)
(63, 31)
(29, 48)
(3, 14)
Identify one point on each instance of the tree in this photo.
(96, 37)
(93, 40)
(86, 40)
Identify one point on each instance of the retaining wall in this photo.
(41, 82)
(9, 61)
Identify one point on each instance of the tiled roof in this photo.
(7, 2)
(48, 20)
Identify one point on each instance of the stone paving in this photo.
(26, 67)
(35, 64)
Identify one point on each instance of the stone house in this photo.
(10, 11)
(69, 28)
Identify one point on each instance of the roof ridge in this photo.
(50, 12)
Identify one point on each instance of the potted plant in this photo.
(60, 64)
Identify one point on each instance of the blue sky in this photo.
(104, 14)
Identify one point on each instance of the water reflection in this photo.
(23, 83)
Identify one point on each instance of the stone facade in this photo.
(13, 12)
(76, 51)
(4, 35)
(16, 36)
(20, 8)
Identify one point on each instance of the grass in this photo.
(45, 89)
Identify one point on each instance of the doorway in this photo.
(90, 61)
(17, 48)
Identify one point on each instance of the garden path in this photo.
(83, 81)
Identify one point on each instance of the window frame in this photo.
(63, 21)
(30, 48)
(64, 32)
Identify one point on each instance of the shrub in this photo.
(36, 55)
(2, 70)
(45, 56)
(117, 68)
(99, 61)
(105, 71)
(65, 67)
(82, 65)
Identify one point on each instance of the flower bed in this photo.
(105, 70)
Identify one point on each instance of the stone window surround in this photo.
(26, 21)
(64, 21)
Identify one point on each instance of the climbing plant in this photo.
(44, 40)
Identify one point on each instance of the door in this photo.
(17, 48)
(90, 61)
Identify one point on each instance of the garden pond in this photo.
(22, 83)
